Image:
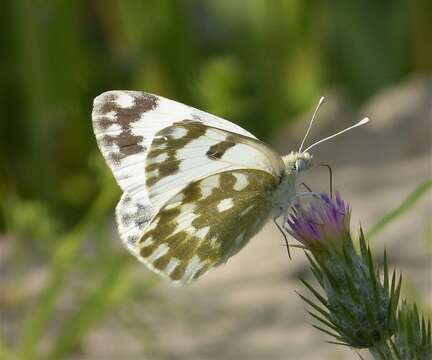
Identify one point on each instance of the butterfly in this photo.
(196, 187)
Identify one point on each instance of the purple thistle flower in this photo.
(359, 309)
(321, 220)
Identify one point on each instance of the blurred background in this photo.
(68, 290)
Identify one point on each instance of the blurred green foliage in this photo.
(256, 62)
(405, 206)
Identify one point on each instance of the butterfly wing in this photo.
(157, 147)
(206, 223)
(126, 122)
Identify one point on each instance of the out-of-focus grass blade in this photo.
(401, 209)
(63, 259)
(114, 287)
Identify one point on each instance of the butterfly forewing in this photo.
(125, 124)
(206, 223)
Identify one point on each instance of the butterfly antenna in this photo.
(360, 123)
(311, 122)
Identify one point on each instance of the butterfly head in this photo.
(296, 162)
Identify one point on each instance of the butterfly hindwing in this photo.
(206, 223)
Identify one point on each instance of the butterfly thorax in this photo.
(294, 163)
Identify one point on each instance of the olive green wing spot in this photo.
(206, 223)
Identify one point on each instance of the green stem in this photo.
(401, 209)
(383, 351)
(380, 352)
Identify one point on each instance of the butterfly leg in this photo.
(330, 178)
(307, 187)
(281, 229)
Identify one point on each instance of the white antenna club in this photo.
(360, 123)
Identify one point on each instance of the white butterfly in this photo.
(196, 187)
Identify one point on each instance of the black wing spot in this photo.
(218, 150)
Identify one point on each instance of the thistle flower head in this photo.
(358, 309)
(322, 219)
